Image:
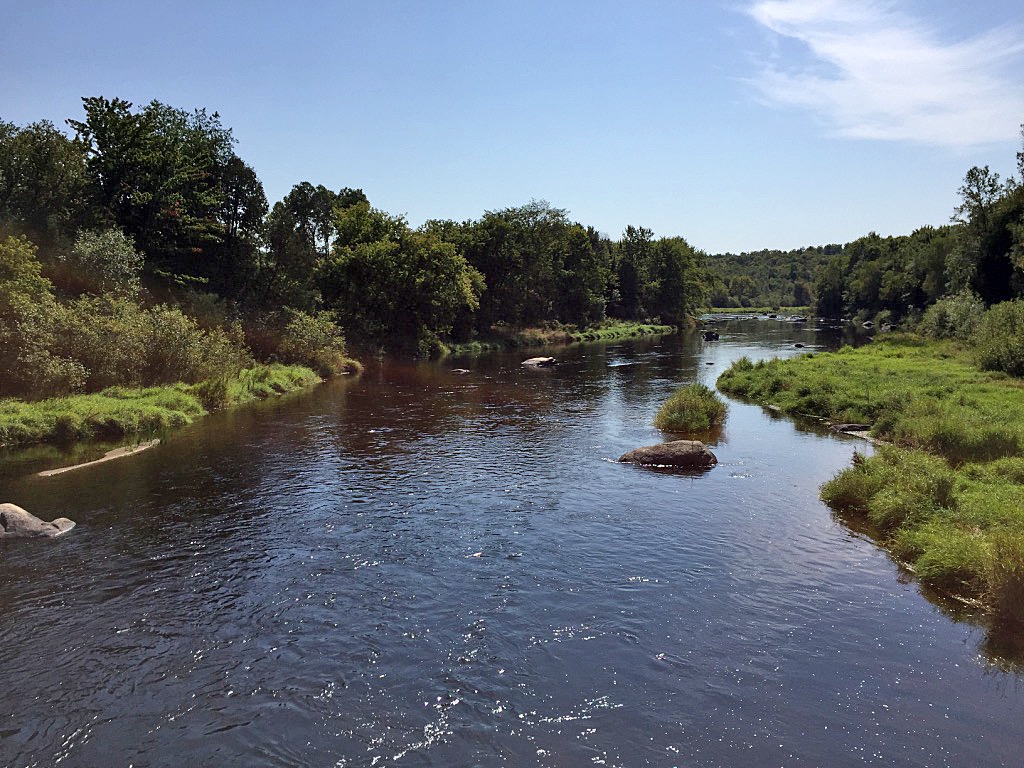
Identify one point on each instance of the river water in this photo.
(418, 568)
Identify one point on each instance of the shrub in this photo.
(694, 408)
(999, 340)
(104, 261)
(315, 341)
(953, 317)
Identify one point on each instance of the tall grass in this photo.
(693, 408)
(118, 412)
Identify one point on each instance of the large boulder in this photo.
(678, 453)
(15, 522)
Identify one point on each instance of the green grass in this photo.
(693, 408)
(119, 412)
(917, 394)
(947, 496)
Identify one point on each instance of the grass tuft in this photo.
(694, 408)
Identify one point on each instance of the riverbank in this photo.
(119, 412)
(504, 337)
(946, 498)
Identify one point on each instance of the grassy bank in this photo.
(504, 337)
(947, 496)
(119, 412)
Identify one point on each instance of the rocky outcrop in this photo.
(15, 522)
(691, 454)
(539, 362)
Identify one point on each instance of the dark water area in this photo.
(418, 568)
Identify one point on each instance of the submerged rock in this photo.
(850, 427)
(15, 522)
(678, 453)
(540, 362)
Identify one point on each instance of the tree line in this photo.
(153, 205)
(976, 260)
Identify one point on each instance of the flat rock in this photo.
(15, 522)
(677, 453)
(539, 362)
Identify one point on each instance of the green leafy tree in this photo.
(633, 263)
(988, 212)
(157, 174)
(242, 219)
(42, 180)
(678, 290)
(521, 253)
(581, 295)
(393, 286)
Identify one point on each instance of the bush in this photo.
(694, 408)
(315, 341)
(953, 317)
(999, 340)
(103, 262)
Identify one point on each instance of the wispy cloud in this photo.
(881, 74)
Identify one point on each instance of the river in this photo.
(419, 568)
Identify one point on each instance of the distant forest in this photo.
(132, 211)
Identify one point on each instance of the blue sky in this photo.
(739, 125)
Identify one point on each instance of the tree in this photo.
(580, 297)
(634, 257)
(981, 260)
(394, 286)
(27, 308)
(157, 174)
(521, 252)
(42, 179)
(242, 218)
(678, 288)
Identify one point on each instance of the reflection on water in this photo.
(423, 568)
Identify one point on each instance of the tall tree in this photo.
(156, 173)
(394, 286)
(634, 258)
(42, 178)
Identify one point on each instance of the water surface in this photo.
(419, 568)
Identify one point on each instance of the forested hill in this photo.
(768, 278)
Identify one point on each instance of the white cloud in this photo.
(890, 76)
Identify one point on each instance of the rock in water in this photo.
(678, 453)
(15, 522)
(539, 362)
